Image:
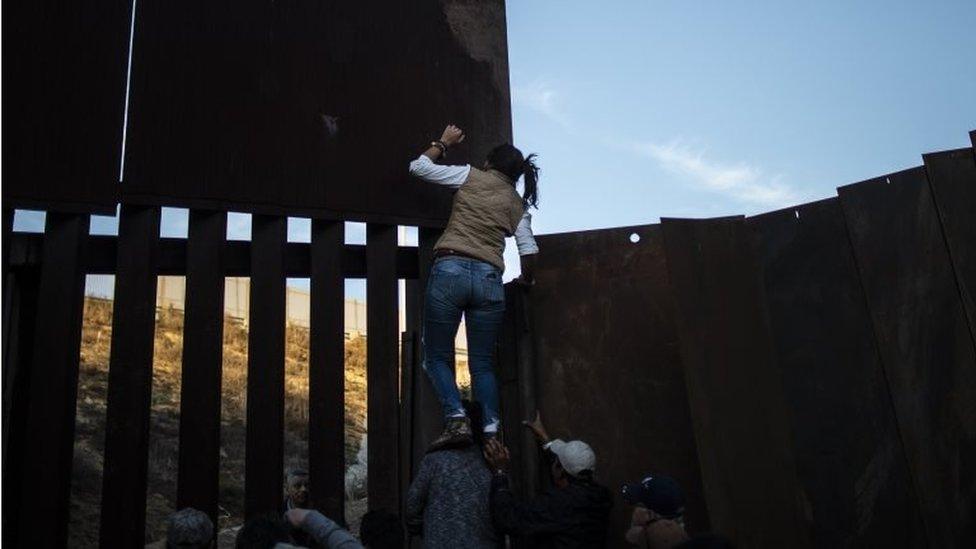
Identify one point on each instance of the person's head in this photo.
(262, 533)
(381, 529)
(476, 415)
(510, 161)
(189, 528)
(658, 493)
(296, 488)
(571, 460)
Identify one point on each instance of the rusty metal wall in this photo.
(308, 107)
(608, 364)
(849, 457)
(65, 65)
(738, 407)
(925, 343)
(816, 363)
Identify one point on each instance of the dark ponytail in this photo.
(530, 196)
(509, 160)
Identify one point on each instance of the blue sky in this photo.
(643, 109)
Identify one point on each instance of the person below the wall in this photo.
(448, 500)
(574, 514)
(657, 521)
(381, 529)
(187, 528)
(296, 497)
(296, 489)
(466, 277)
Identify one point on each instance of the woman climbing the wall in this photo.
(467, 273)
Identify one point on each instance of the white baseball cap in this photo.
(575, 456)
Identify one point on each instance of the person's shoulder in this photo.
(438, 458)
(592, 492)
(479, 175)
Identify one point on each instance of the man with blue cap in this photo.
(658, 518)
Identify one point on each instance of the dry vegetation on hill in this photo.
(164, 431)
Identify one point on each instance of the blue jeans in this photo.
(460, 285)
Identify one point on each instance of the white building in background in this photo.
(170, 291)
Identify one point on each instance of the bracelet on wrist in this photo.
(440, 145)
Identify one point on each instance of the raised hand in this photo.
(538, 428)
(497, 456)
(452, 135)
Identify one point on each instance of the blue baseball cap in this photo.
(659, 493)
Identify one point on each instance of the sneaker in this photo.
(456, 434)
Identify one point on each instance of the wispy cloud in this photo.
(740, 181)
(541, 97)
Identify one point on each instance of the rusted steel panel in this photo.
(952, 177)
(735, 390)
(607, 361)
(123, 517)
(924, 341)
(850, 460)
(199, 454)
(65, 65)
(326, 375)
(279, 107)
(264, 459)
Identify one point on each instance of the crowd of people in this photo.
(462, 497)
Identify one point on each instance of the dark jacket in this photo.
(570, 517)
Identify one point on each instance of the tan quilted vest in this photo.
(486, 210)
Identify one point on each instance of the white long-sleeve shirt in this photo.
(454, 176)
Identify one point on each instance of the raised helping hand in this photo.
(497, 456)
(537, 427)
(452, 136)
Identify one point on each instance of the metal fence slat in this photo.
(203, 330)
(123, 518)
(264, 459)
(382, 366)
(53, 383)
(326, 375)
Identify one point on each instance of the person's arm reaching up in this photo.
(511, 515)
(425, 168)
(538, 429)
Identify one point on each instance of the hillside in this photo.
(164, 433)
(164, 428)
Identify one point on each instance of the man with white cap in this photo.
(572, 514)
